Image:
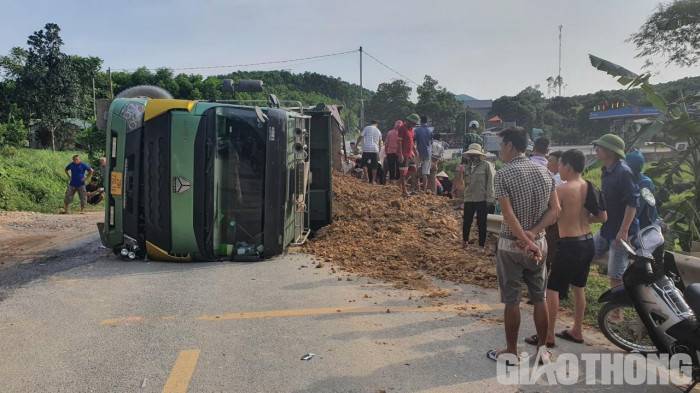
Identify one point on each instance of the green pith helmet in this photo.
(413, 118)
(613, 143)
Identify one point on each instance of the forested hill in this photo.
(670, 91)
(309, 87)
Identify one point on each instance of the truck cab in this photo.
(199, 180)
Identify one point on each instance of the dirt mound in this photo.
(376, 232)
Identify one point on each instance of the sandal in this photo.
(533, 340)
(494, 354)
(565, 335)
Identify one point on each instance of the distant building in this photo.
(482, 107)
(625, 121)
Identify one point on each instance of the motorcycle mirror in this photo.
(648, 196)
(628, 247)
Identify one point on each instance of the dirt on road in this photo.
(407, 241)
(26, 236)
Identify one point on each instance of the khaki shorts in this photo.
(424, 165)
(70, 191)
(514, 267)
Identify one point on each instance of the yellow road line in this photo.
(181, 374)
(309, 312)
(334, 310)
(121, 321)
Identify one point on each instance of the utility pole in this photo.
(465, 118)
(111, 89)
(559, 79)
(94, 100)
(362, 101)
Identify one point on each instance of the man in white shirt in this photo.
(371, 142)
(553, 166)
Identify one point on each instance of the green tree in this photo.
(441, 106)
(673, 31)
(48, 85)
(512, 109)
(390, 103)
(679, 174)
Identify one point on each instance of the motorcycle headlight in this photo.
(124, 252)
(132, 255)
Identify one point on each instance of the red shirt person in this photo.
(407, 148)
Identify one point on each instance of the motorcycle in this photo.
(653, 311)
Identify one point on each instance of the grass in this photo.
(34, 180)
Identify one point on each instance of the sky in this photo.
(482, 48)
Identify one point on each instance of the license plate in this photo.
(115, 181)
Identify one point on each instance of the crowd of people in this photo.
(410, 155)
(546, 241)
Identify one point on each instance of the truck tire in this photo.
(145, 91)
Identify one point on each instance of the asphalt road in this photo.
(85, 321)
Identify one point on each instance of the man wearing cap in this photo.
(407, 148)
(472, 135)
(621, 196)
(478, 177)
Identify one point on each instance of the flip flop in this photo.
(493, 355)
(565, 335)
(533, 340)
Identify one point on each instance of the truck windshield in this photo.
(239, 172)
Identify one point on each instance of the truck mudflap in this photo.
(158, 254)
(101, 231)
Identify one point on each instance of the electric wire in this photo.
(390, 68)
(246, 64)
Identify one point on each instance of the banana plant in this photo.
(676, 176)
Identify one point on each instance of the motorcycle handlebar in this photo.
(650, 270)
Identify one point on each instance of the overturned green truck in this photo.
(214, 180)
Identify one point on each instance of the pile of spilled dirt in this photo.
(378, 233)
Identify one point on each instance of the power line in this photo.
(391, 69)
(250, 64)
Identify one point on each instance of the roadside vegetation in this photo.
(34, 180)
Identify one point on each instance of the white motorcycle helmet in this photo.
(473, 125)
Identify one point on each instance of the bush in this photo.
(13, 133)
(33, 179)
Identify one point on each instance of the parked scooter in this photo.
(653, 311)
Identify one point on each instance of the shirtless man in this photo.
(581, 205)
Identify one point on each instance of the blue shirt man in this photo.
(77, 182)
(423, 135)
(621, 195)
(619, 191)
(424, 140)
(77, 173)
